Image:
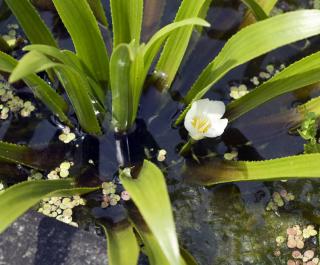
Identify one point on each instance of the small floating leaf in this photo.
(18, 198)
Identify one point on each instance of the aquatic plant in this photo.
(91, 75)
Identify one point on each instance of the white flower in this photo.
(204, 119)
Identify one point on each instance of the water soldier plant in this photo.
(92, 76)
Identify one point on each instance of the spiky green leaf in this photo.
(126, 21)
(219, 171)
(299, 74)
(176, 45)
(31, 22)
(17, 199)
(256, 9)
(86, 36)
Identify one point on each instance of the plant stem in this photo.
(187, 146)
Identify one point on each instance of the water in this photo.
(224, 224)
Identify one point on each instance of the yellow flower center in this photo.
(201, 124)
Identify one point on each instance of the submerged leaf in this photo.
(18, 198)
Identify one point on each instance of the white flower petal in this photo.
(217, 128)
(191, 114)
(204, 112)
(212, 107)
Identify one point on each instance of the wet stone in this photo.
(39, 240)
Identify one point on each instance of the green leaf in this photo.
(218, 171)
(4, 46)
(40, 88)
(122, 244)
(137, 79)
(312, 105)
(54, 53)
(145, 192)
(78, 89)
(256, 9)
(69, 58)
(122, 105)
(49, 97)
(86, 36)
(97, 9)
(266, 5)
(299, 74)
(32, 62)
(151, 245)
(126, 21)
(154, 44)
(17, 199)
(24, 155)
(31, 23)
(253, 41)
(176, 45)
(75, 84)
(188, 258)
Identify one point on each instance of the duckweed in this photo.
(61, 208)
(67, 136)
(60, 172)
(162, 155)
(10, 103)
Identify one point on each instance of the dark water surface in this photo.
(224, 224)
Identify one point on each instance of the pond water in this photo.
(224, 224)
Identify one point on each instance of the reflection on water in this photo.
(225, 224)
